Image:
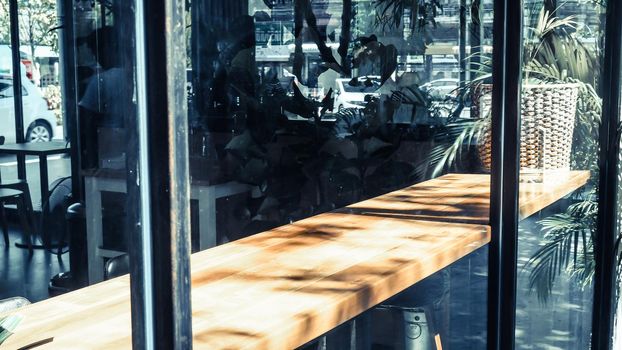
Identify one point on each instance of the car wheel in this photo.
(39, 132)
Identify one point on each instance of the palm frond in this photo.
(471, 131)
(547, 23)
(445, 152)
(565, 245)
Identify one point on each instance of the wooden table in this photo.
(465, 198)
(282, 288)
(41, 150)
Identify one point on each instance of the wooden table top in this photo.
(282, 288)
(465, 198)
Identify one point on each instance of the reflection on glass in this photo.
(75, 120)
(617, 304)
(106, 108)
(328, 72)
(40, 72)
(302, 107)
(559, 142)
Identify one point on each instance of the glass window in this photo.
(301, 109)
(69, 205)
(561, 112)
(6, 89)
(104, 70)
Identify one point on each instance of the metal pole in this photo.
(502, 264)
(476, 37)
(17, 85)
(462, 42)
(68, 92)
(608, 187)
(160, 260)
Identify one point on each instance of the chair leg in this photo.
(22, 210)
(5, 225)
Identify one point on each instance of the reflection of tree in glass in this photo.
(306, 169)
(36, 19)
(371, 57)
(421, 12)
(304, 11)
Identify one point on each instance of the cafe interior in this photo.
(311, 174)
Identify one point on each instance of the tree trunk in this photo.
(31, 41)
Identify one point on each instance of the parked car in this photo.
(351, 93)
(38, 118)
(441, 88)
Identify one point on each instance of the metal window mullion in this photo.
(604, 254)
(507, 66)
(160, 264)
(462, 38)
(141, 252)
(69, 103)
(476, 37)
(17, 84)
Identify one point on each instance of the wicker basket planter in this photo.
(547, 126)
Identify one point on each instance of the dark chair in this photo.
(24, 197)
(117, 266)
(8, 195)
(12, 304)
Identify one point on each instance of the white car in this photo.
(441, 88)
(39, 121)
(350, 93)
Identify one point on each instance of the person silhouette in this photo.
(108, 93)
(107, 100)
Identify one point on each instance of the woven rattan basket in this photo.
(547, 124)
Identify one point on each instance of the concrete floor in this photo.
(22, 274)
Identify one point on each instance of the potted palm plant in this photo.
(548, 102)
(554, 56)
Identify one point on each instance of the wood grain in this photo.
(282, 288)
(466, 198)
